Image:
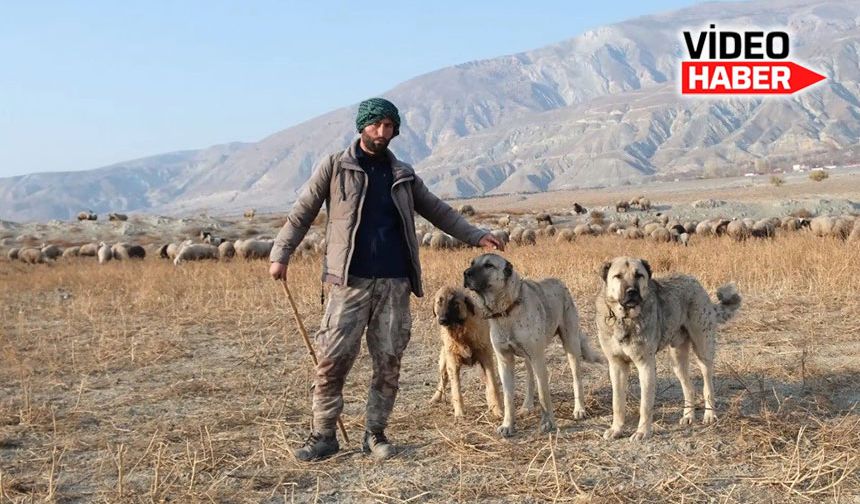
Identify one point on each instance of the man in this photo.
(371, 260)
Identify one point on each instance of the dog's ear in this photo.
(469, 304)
(509, 269)
(604, 270)
(647, 267)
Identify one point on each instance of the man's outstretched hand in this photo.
(490, 242)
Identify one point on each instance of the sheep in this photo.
(645, 204)
(117, 217)
(196, 252)
(705, 228)
(691, 227)
(854, 235)
(226, 250)
(105, 254)
(842, 227)
(763, 229)
(125, 251)
(579, 209)
(253, 249)
(504, 221)
(31, 255)
(89, 250)
(544, 218)
(822, 226)
(677, 228)
(71, 252)
(501, 235)
(685, 239)
(622, 206)
(87, 215)
(213, 240)
(661, 235)
(466, 210)
(650, 227)
(529, 237)
(738, 230)
(441, 240)
(250, 213)
(596, 229)
(613, 227)
(136, 252)
(720, 226)
(51, 252)
(550, 230)
(582, 230)
(565, 235)
(517, 235)
(664, 220)
(634, 233)
(13, 254)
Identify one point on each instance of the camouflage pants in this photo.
(382, 306)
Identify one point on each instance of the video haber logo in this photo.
(721, 72)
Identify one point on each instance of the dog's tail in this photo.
(730, 302)
(588, 353)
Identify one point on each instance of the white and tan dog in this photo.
(637, 316)
(465, 336)
(524, 316)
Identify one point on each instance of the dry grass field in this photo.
(145, 382)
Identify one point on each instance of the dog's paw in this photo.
(709, 418)
(437, 397)
(497, 412)
(525, 409)
(547, 425)
(686, 419)
(641, 435)
(612, 433)
(505, 431)
(579, 413)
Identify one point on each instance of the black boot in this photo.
(317, 447)
(377, 445)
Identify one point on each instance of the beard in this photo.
(376, 145)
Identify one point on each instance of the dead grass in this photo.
(141, 382)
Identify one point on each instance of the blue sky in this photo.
(86, 84)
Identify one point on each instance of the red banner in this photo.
(745, 77)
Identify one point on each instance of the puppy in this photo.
(465, 341)
(524, 316)
(637, 316)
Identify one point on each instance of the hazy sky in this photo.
(86, 84)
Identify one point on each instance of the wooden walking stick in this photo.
(310, 347)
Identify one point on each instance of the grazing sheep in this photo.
(854, 235)
(596, 229)
(466, 210)
(661, 235)
(13, 254)
(196, 252)
(253, 249)
(504, 221)
(720, 227)
(550, 230)
(136, 252)
(634, 233)
(738, 230)
(441, 241)
(685, 239)
(105, 253)
(213, 240)
(645, 204)
(544, 218)
(117, 217)
(579, 209)
(565, 235)
(89, 250)
(664, 220)
(517, 235)
(613, 227)
(677, 228)
(87, 215)
(822, 226)
(51, 252)
(582, 230)
(763, 229)
(842, 227)
(119, 251)
(622, 206)
(529, 237)
(690, 227)
(31, 255)
(705, 228)
(71, 252)
(226, 250)
(250, 213)
(650, 227)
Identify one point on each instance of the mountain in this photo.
(598, 109)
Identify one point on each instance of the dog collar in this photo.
(507, 311)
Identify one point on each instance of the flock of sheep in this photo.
(523, 230)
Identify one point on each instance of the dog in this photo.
(638, 315)
(524, 315)
(465, 341)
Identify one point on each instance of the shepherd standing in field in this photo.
(371, 260)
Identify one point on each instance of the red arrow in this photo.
(745, 77)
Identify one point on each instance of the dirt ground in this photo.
(145, 382)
